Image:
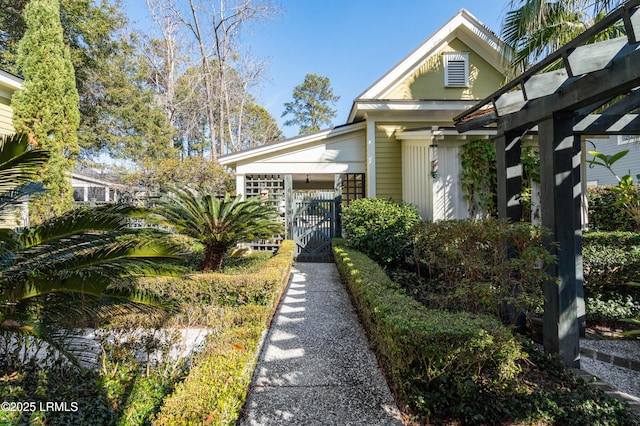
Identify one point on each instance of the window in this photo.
(456, 69)
(627, 139)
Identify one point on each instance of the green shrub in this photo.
(459, 368)
(216, 387)
(434, 359)
(611, 307)
(610, 260)
(380, 228)
(605, 211)
(480, 265)
(244, 286)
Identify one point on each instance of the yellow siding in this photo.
(428, 81)
(388, 165)
(6, 124)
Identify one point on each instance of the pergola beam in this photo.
(621, 77)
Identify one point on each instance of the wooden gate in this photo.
(315, 223)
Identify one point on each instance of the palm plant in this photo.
(218, 224)
(536, 28)
(81, 252)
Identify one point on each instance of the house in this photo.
(87, 189)
(91, 190)
(9, 83)
(17, 215)
(627, 165)
(399, 140)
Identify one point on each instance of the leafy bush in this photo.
(451, 368)
(610, 260)
(380, 228)
(606, 212)
(437, 361)
(612, 307)
(216, 387)
(480, 265)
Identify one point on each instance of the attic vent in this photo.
(456, 69)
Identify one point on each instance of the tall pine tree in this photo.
(48, 107)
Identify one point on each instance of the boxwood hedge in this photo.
(436, 361)
(216, 387)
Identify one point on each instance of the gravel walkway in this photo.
(598, 358)
(315, 366)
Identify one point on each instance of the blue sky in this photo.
(353, 42)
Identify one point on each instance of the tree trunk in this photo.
(213, 257)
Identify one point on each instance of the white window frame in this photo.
(452, 63)
(627, 139)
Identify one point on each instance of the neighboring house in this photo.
(91, 190)
(627, 165)
(399, 141)
(86, 189)
(9, 83)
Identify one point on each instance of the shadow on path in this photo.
(316, 367)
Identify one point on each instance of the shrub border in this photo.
(410, 338)
(216, 388)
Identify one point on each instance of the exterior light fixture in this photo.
(434, 153)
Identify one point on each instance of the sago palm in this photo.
(81, 252)
(535, 28)
(218, 224)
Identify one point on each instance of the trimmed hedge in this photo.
(437, 361)
(216, 387)
(221, 289)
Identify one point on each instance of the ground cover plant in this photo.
(450, 368)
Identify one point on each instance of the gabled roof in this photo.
(463, 26)
(230, 160)
(9, 83)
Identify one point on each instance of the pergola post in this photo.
(578, 199)
(509, 168)
(560, 195)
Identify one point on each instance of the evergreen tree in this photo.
(310, 106)
(48, 107)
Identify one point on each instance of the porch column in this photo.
(371, 158)
(509, 166)
(85, 193)
(240, 186)
(559, 205)
(288, 205)
(106, 194)
(337, 188)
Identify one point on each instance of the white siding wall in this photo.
(416, 178)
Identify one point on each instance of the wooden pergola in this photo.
(592, 89)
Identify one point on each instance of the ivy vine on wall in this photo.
(479, 179)
(479, 176)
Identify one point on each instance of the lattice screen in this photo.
(352, 187)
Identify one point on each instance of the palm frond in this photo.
(19, 164)
(536, 28)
